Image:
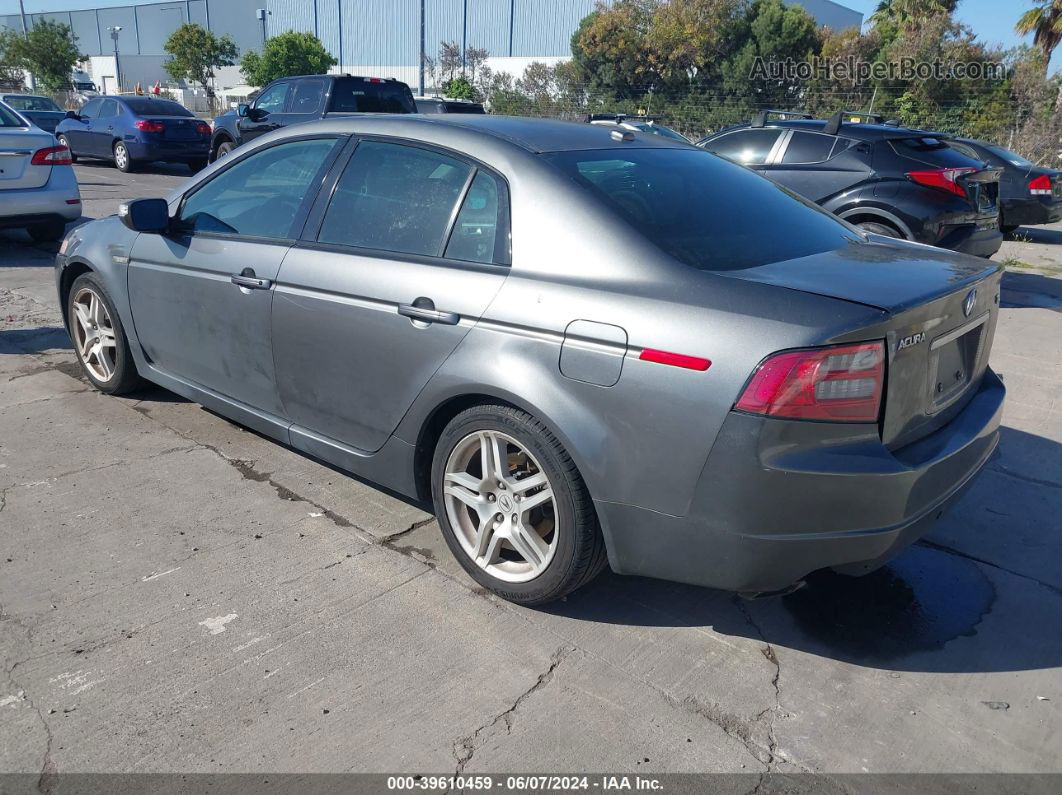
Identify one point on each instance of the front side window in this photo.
(393, 197)
(272, 99)
(747, 147)
(260, 195)
(808, 148)
(703, 210)
(92, 107)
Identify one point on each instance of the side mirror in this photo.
(72, 114)
(145, 215)
(243, 110)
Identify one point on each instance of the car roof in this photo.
(859, 131)
(532, 134)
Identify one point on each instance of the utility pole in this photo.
(420, 83)
(25, 33)
(115, 30)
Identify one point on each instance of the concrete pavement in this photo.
(179, 594)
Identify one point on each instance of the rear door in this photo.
(816, 165)
(17, 147)
(267, 112)
(201, 294)
(395, 269)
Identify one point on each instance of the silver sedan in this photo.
(38, 189)
(584, 346)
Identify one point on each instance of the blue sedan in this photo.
(135, 130)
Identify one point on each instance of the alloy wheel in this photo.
(500, 504)
(121, 157)
(94, 335)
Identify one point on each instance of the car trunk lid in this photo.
(940, 313)
(16, 151)
(175, 128)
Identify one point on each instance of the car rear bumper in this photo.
(52, 202)
(1032, 211)
(169, 150)
(982, 239)
(773, 505)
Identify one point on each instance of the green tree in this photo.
(195, 53)
(459, 88)
(291, 53)
(11, 76)
(1044, 21)
(48, 50)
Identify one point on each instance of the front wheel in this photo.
(64, 142)
(224, 148)
(99, 338)
(122, 159)
(513, 507)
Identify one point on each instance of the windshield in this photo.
(8, 118)
(31, 103)
(663, 132)
(1011, 157)
(157, 107)
(702, 209)
(362, 96)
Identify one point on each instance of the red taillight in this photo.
(942, 178)
(1041, 186)
(203, 128)
(675, 359)
(843, 383)
(150, 126)
(52, 156)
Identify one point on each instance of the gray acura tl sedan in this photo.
(587, 347)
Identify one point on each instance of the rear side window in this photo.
(9, 118)
(260, 195)
(109, 109)
(475, 236)
(703, 210)
(807, 147)
(355, 95)
(306, 96)
(747, 147)
(393, 197)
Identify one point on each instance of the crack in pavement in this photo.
(1010, 473)
(466, 747)
(46, 779)
(1055, 589)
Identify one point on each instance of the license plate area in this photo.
(954, 360)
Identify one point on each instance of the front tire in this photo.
(122, 159)
(513, 507)
(98, 337)
(224, 149)
(64, 142)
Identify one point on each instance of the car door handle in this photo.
(424, 309)
(246, 278)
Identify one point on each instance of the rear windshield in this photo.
(9, 118)
(31, 103)
(362, 96)
(464, 107)
(703, 209)
(1011, 157)
(934, 151)
(663, 132)
(157, 107)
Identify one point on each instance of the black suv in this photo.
(291, 100)
(887, 179)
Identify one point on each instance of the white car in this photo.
(38, 189)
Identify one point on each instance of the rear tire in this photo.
(197, 165)
(880, 229)
(99, 339)
(560, 532)
(47, 232)
(122, 159)
(64, 142)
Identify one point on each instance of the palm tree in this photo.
(1044, 21)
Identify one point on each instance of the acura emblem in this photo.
(969, 302)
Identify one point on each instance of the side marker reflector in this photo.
(675, 359)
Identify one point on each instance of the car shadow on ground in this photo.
(1036, 234)
(1030, 290)
(157, 167)
(903, 616)
(23, 341)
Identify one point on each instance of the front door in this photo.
(267, 112)
(101, 134)
(201, 295)
(410, 252)
(78, 132)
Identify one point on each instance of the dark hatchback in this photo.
(131, 131)
(1029, 194)
(42, 111)
(887, 179)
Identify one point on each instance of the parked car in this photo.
(294, 100)
(1029, 194)
(42, 111)
(686, 376)
(134, 130)
(440, 105)
(38, 190)
(889, 180)
(644, 124)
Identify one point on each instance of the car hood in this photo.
(882, 273)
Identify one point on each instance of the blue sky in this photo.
(992, 20)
